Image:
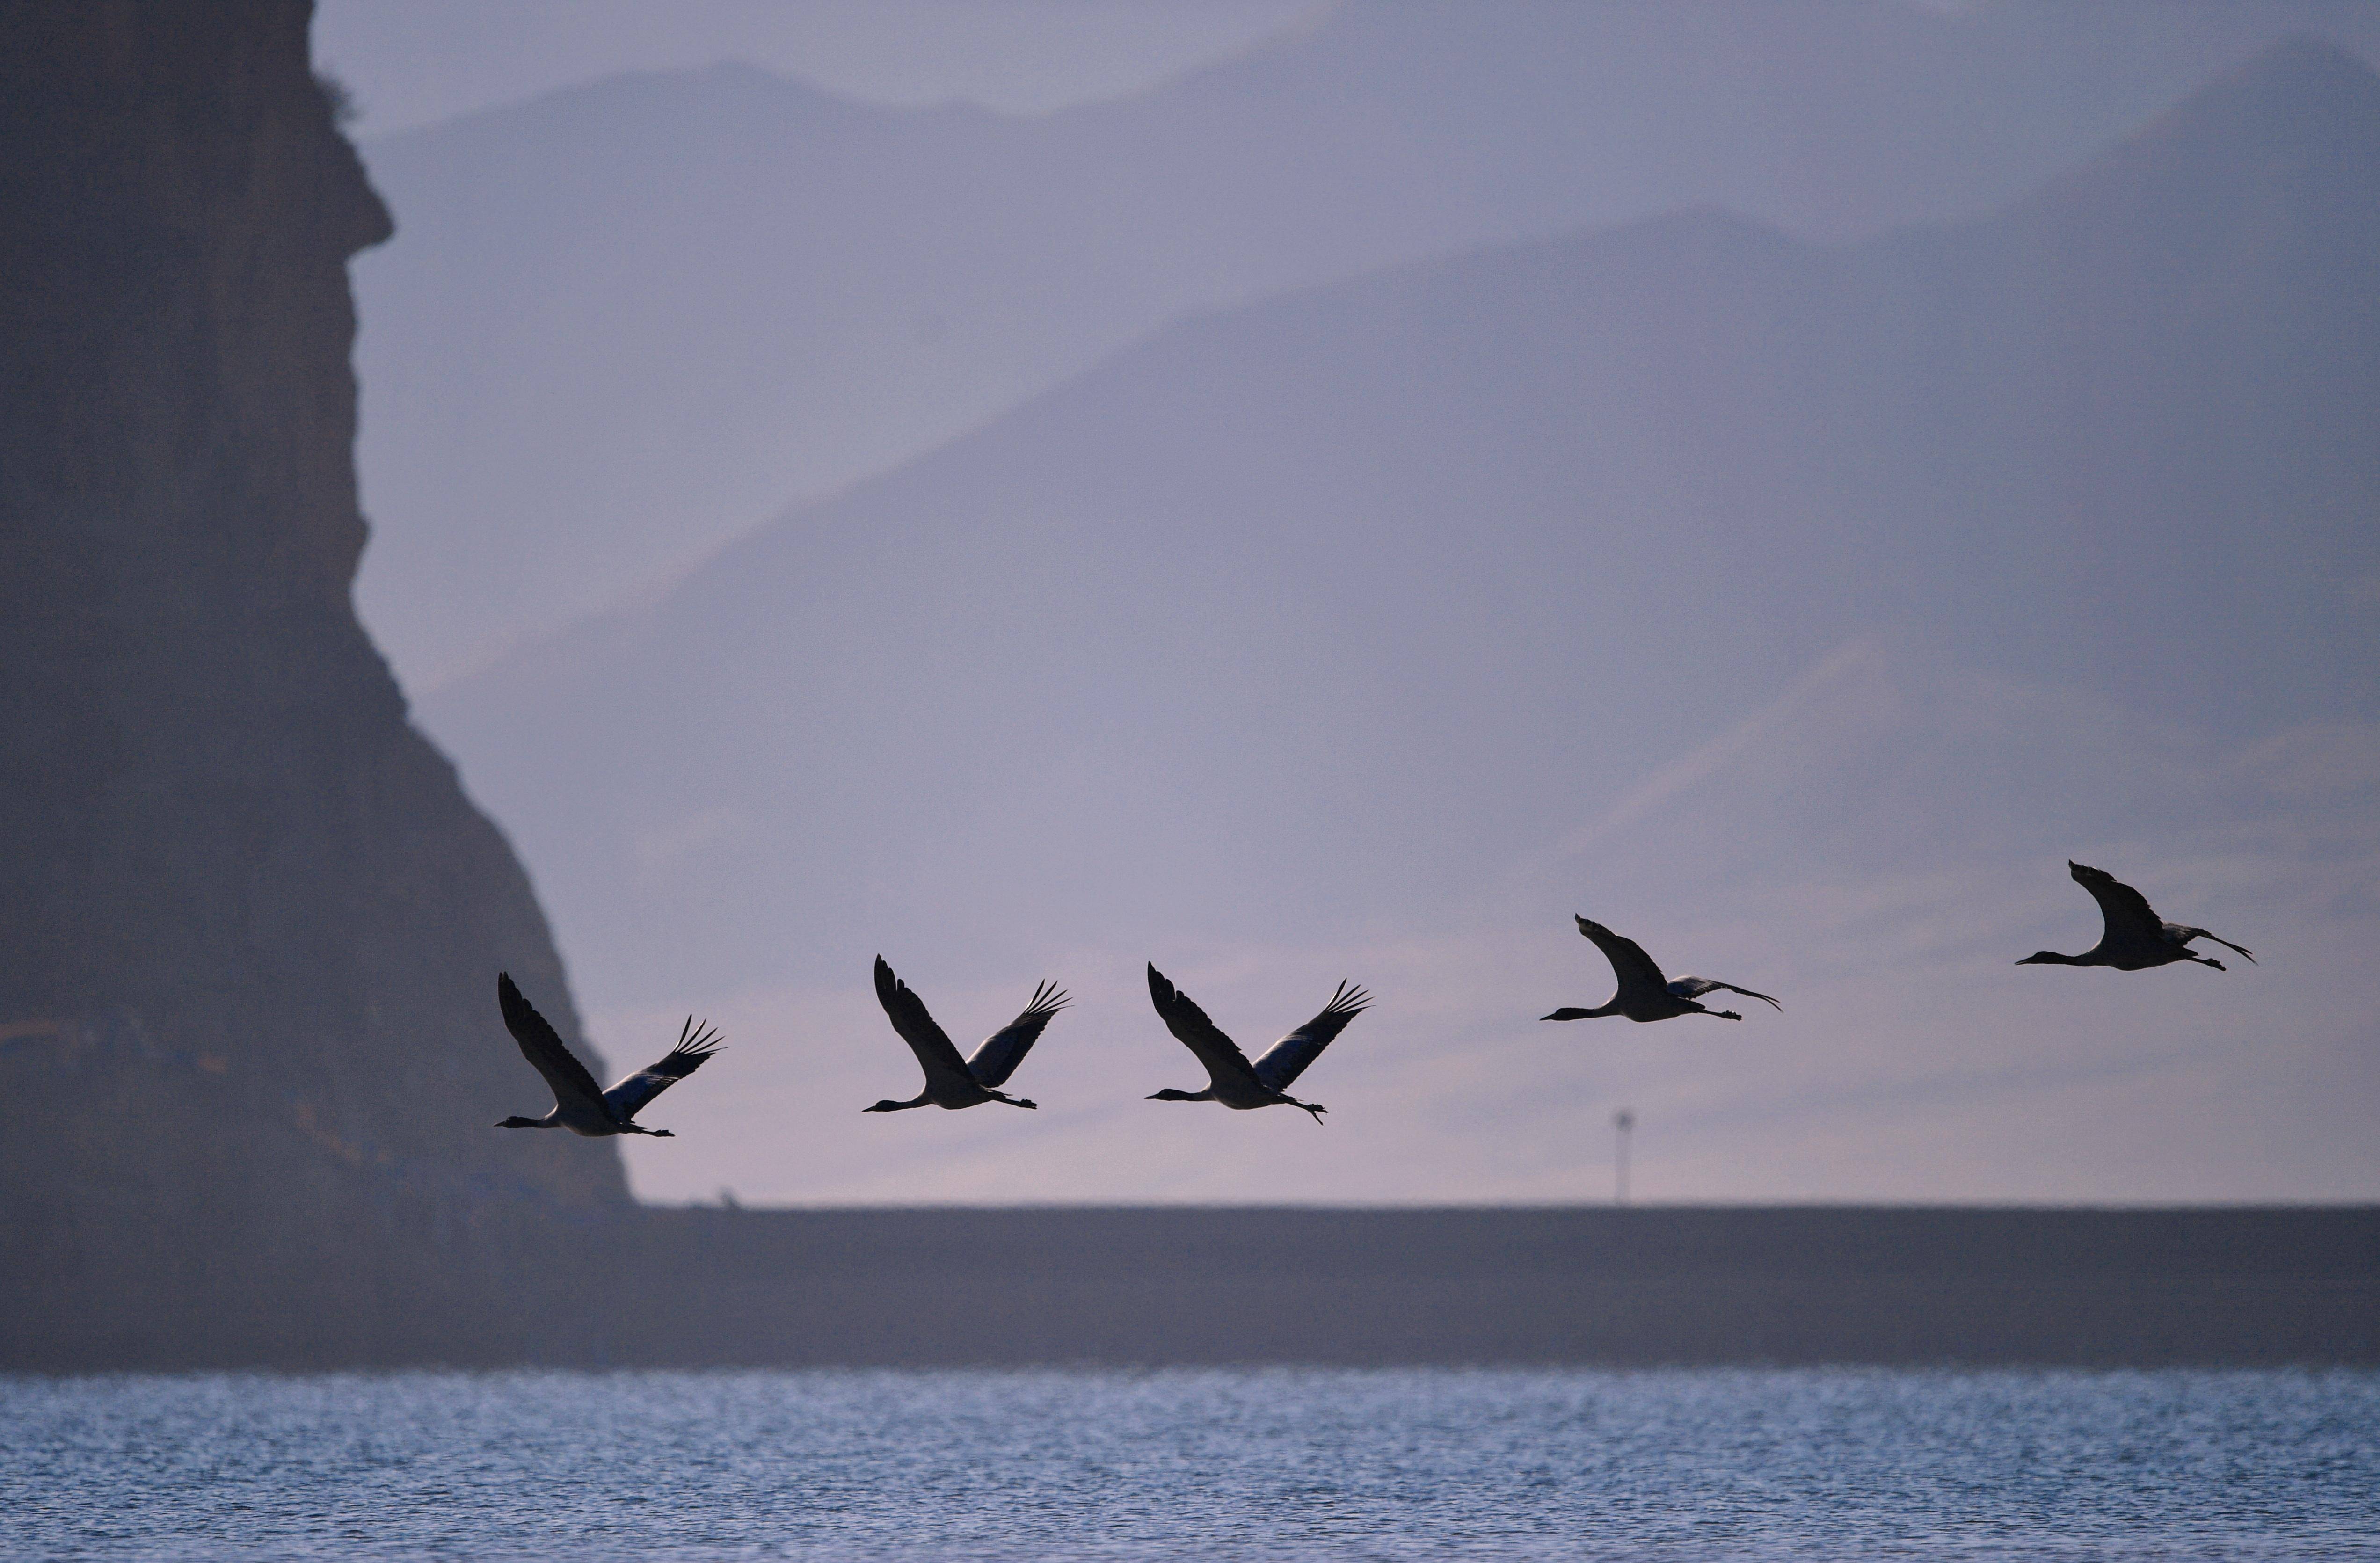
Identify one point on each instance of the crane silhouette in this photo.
(952, 1082)
(579, 1106)
(2133, 937)
(1232, 1080)
(1645, 994)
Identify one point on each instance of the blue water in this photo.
(1196, 1464)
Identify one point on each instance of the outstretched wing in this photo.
(542, 1048)
(694, 1046)
(1287, 1058)
(1002, 1051)
(936, 1055)
(1694, 987)
(2126, 910)
(2186, 935)
(1639, 977)
(1225, 1064)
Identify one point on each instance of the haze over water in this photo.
(1504, 1463)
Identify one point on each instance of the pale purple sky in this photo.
(421, 61)
(1178, 526)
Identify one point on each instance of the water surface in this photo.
(1196, 1464)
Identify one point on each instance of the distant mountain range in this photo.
(1807, 606)
(624, 325)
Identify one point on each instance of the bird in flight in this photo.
(579, 1106)
(952, 1082)
(2135, 937)
(1232, 1080)
(1645, 994)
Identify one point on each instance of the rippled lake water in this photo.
(1196, 1464)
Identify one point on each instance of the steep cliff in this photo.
(249, 922)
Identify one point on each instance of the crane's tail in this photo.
(2227, 944)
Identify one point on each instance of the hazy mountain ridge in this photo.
(627, 322)
(1288, 631)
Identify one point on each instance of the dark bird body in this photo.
(579, 1106)
(952, 1082)
(1645, 994)
(1232, 1080)
(2135, 938)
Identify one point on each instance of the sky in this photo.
(1297, 492)
(414, 64)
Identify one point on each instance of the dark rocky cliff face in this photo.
(249, 924)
